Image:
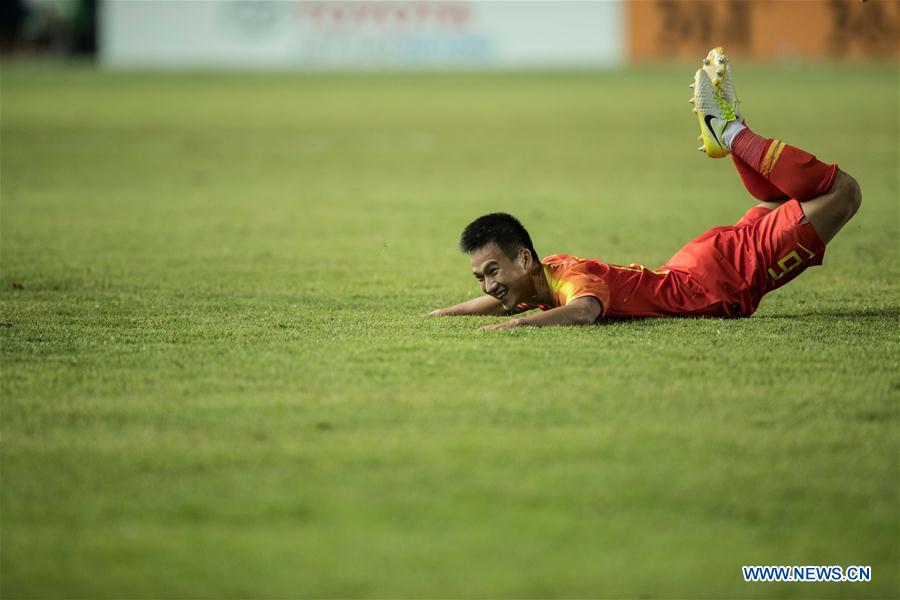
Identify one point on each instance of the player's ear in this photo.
(525, 258)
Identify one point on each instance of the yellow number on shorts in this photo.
(787, 264)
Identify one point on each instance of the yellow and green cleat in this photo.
(715, 102)
(718, 68)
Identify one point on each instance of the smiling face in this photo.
(507, 280)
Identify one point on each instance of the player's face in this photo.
(507, 280)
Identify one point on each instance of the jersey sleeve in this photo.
(580, 281)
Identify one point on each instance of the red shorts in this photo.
(740, 264)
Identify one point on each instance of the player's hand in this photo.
(504, 325)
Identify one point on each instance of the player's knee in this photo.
(854, 195)
(850, 194)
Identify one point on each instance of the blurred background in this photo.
(451, 34)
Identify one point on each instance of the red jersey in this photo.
(723, 273)
(625, 291)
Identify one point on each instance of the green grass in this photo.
(216, 379)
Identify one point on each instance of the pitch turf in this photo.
(216, 380)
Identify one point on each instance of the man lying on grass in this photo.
(723, 273)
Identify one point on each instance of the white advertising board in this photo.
(359, 35)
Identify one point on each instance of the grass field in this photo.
(216, 379)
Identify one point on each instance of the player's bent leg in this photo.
(771, 170)
(831, 211)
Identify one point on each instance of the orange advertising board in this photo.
(764, 29)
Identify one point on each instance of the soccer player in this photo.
(723, 273)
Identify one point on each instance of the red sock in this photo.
(796, 173)
(758, 186)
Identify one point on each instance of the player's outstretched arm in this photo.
(581, 311)
(483, 305)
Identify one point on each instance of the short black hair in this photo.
(502, 229)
